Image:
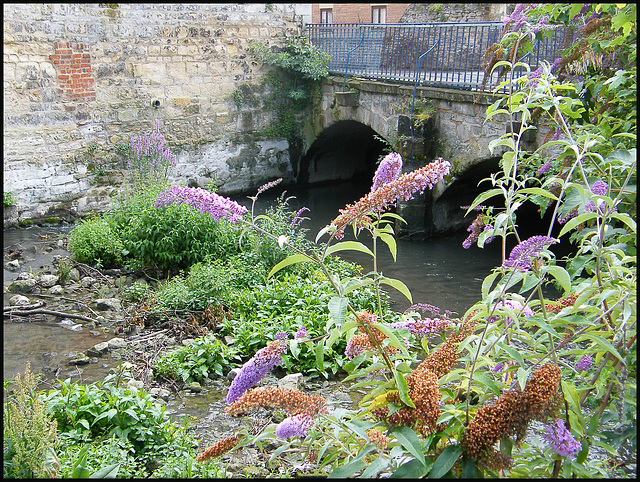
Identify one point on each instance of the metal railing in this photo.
(446, 54)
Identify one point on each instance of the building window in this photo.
(326, 15)
(379, 14)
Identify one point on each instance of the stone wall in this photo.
(454, 12)
(81, 78)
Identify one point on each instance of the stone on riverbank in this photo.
(98, 350)
(290, 382)
(56, 290)
(48, 280)
(81, 359)
(19, 300)
(13, 265)
(116, 343)
(22, 285)
(108, 304)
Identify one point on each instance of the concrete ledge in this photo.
(454, 95)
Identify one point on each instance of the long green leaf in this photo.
(561, 276)
(375, 467)
(108, 472)
(338, 309)
(409, 440)
(403, 388)
(349, 246)
(410, 470)
(576, 221)
(390, 241)
(539, 191)
(483, 197)
(399, 285)
(445, 461)
(626, 219)
(293, 259)
(602, 342)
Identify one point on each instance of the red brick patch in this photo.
(73, 62)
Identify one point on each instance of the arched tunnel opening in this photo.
(345, 151)
(445, 215)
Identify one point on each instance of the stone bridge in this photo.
(343, 141)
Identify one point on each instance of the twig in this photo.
(40, 304)
(147, 337)
(18, 312)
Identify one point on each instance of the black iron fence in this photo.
(444, 54)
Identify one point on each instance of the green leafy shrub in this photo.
(86, 412)
(9, 198)
(174, 237)
(204, 357)
(285, 304)
(29, 434)
(96, 241)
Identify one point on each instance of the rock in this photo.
(108, 304)
(232, 373)
(22, 285)
(24, 275)
(74, 274)
(160, 393)
(98, 350)
(137, 384)
(194, 387)
(81, 359)
(13, 265)
(229, 340)
(188, 341)
(48, 280)
(70, 325)
(19, 300)
(88, 282)
(290, 382)
(56, 290)
(116, 343)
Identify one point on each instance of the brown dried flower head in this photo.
(292, 401)
(219, 448)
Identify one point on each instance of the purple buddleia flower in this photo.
(561, 440)
(584, 363)
(297, 219)
(217, 206)
(475, 228)
(523, 254)
(294, 426)
(389, 170)
(517, 17)
(256, 368)
(497, 367)
(423, 327)
(268, 185)
(534, 77)
(544, 168)
(490, 238)
(423, 307)
(514, 305)
(301, 333)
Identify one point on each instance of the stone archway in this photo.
(346, 150)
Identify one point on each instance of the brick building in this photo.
(357, 12)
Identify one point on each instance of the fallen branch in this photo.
(39, 304)
(19, 312)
